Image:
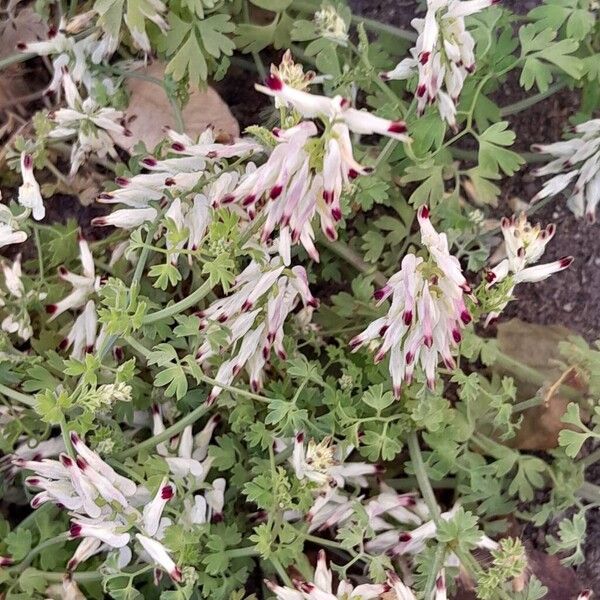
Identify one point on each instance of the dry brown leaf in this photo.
(151, 111)
(561, 581)
(26, 26)
(536, 346)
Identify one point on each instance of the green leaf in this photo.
(493, 157)
(538, 48)
(571, 539)
(18, 544)
(376, 398)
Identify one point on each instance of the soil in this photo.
(570, 298)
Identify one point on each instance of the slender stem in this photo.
(368, 23)
(260, 67)
(139, 267)
(18, 396)
(59, 539)
(524, 104)
(83, 577)
(590, 459)
(344, 251)
(16, 58)
(530, 157)
(38, 246)
(531, 375)
(438, 563)
(416, 459)
(168, 433)
(281, 571)
(66, 435)
(521, 406)
(180, 306)
(242, 552)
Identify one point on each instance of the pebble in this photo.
(568, 307)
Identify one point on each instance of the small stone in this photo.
(568, 307)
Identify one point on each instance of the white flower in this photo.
(427, 311)
(160, 555)
(192, 458)
(332, 109)
(321, 588)
(331, 25)
(398, 590)
(443, 55)
(126, 218)
(30, 195)
(524, 245)
(8, 235)
(254, 315)
(323, 464)
(89, 122)
(153, 511)
(578, 157)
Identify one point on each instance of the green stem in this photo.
(590, 459)
(531, 375)
(242, 552)
(180, 306)
(83, 577)
(18, 396)
(371, 24)
(345, 252)
(59, 539)
(524, 104)
(16, 58)
(530, 157)
(66, 436)
(281, 571)
(416, 458)
(168, 433)
(438, 563)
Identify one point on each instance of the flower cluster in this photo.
(306, 172)
(82, 334)
(110, 511)
(321, 587)
(103, 504)
(90, 123)
(177, 176)
(427, 312)
(524, 244)
(253, 317)
(17, 300)
(443, 55)
(574, 161)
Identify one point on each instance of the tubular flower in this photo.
(524, 244)
(8, 235)
(82, 335)
(321, 588)
(178, 175)
(394, 539)
(104, 504)
(187, 455)
(17, 300)
(323, 463)
(427, 312)
(575, 161)
(89, 122)
(331, 110)
(443, 55)
(30, 195)
(254, 314)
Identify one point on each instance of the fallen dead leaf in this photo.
(25, 26)
(536, 346)
(150, 111)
